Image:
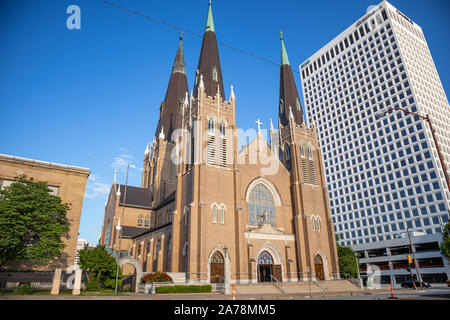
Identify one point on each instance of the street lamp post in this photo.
(120, 233)
(359, 275)
(428, 120)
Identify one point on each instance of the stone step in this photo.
(298, 287)
(178, 277)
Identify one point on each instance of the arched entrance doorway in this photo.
(131, 267)
(267, 269)
(318, 266)
(217, 268)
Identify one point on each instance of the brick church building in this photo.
(216, 213)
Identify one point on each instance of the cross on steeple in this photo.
(181, 34)
(281, 34)
(259, 125)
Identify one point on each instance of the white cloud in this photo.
(95, 188)
(121, 161)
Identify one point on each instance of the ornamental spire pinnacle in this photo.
(284, 56)
(209, 20)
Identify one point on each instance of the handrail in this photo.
(277, 284)
(345, 276)
(220, 277)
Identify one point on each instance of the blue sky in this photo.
(90, 97)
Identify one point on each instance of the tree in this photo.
(347, 261)
(32, 222)
(100, 267)
(445, 245)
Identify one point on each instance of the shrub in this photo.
(184, 289)
(92, 285)
(24, 288)
(157, 277)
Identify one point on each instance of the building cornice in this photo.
(44, 164)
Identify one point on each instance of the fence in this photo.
(39, 281)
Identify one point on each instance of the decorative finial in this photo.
(291, 115)
(271, 125)
(146, 150)
(161, 135)
(118, 190)
(186, 99)
(232, 92)
(115, 176)
(201, 85)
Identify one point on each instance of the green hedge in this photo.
(183, 289)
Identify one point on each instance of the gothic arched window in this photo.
(302, 150)
(215, 74)
(310, 153)
(222, 215)
(211, 125)
(214, 214)
(282, 105)
(287, 152)
(265, 258)
(222, 128)
(217, 257)
(169, 244)
(158, 245)
(318, 223)
(261, 206)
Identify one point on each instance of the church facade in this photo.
(217, 213)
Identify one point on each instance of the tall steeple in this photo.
(209, 61)
(170, 116)
(289, 98)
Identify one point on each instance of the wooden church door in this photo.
(217, 268)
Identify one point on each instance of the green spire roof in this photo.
(210, 21)
(284, 56)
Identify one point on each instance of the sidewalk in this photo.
(210, 296)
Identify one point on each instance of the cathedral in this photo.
(214, 213)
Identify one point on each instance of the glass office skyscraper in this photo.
(383, 174)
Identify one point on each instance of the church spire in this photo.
(289, 99)
(170, 116)
(209, 61)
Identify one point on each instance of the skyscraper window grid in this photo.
(381, 173)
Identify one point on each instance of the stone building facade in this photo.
(220, 214)
(66, 182)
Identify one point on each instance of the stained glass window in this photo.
(158, 245)
(217, 257)
(265, 258)
(261, 206)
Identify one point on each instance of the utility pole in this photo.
(414, 256)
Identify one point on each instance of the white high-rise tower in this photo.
(382, 173)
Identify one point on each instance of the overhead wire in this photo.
(189, 32)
